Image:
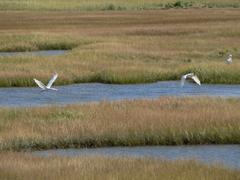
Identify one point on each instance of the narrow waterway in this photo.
(93, 92)
(227, 155)
(33, 53)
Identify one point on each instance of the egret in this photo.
(50, 83)
(192, 76)
(229, 59)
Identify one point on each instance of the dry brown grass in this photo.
(128, 123)
(25, 166)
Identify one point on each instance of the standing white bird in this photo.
(50, 83)
(192, 76)
(229, 59)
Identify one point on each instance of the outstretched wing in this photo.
(50, 83)
(183, 78)
(40, 84)
(195, 78)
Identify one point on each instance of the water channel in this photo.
(227, 155)
(94, 92)
(33, 53)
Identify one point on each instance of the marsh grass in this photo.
(33, 42)
(90, 5)
(121, 47)
(166, 121)
(26, 166)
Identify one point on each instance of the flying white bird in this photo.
(192, 76)
(50, 83)
(229, 59)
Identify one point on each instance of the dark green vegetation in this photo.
(167, 121)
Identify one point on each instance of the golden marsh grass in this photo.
(25, 166)
(121, 46)
(166, 121)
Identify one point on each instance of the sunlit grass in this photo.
(166, 121)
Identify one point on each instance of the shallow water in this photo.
(34, 53)
(228, 155)
(90, 92)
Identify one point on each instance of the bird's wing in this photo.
(195, 78)
(52, 80)
(188, 75)
(40, 84)
(183, 78)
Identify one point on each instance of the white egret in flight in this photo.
(192, 76)
(50, 83)
(229, 59)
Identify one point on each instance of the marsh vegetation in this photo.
(91, 5)
(25, 166)
(121, 47)
(118, 42)
(166, 121)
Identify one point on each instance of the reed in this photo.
(26, 166)
(166, 121)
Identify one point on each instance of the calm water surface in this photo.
(90, 92)
(34, 53)
(228, 155)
